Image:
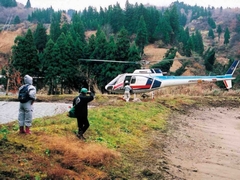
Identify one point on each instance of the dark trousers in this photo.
(83, 124)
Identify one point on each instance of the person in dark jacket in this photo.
(81, 111)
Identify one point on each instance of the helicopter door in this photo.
(127, 78)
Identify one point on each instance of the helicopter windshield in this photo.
(120, 79)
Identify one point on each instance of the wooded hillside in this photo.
(50, 43)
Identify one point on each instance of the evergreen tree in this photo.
(17, 20)
(197, 42)
(51, 66)
(209, 59)
(25, 58)
(174, 23)
(8, 3)
(226, 36)
(65, 62)
(55, 30)
(219, 31)
(116, 17)
(141, 39)
(70, 64)
(134, 56)
(101, 42)
(77, 28)
(28, 5)
(111, 49)
(130, 18)
(90, 47)
(211, 23)
(40, 37)
(211, 34)
(123, 45)
(163, 29)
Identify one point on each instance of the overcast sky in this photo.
(81, 4)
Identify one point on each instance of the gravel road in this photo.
(9, 110)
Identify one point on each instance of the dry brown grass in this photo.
(75, 159)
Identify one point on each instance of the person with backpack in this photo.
(26, 96)
(81, 111)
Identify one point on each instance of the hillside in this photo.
(225, 18)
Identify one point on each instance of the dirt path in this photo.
(205, 144)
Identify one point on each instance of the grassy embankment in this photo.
(118, 141)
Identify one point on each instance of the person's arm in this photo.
(32, 93)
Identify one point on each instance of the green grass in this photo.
(120, 127)
(119, 136)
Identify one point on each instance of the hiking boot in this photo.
(21, 130)
(80, 136)
(28, 130)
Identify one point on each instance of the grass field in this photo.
(122, 140)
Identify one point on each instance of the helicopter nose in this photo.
(109, 87)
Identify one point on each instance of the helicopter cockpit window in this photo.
(157, 71)
(133, 80)
(127, 78)
(121, 79)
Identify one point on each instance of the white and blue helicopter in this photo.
(148, 80)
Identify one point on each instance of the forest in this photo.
(57, 58)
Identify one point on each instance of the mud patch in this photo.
(204, 144)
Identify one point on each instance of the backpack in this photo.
(71, 112)
(23, 95)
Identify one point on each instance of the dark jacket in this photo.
(81, 109)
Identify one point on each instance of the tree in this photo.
(163, 29)
(226, 36)
(134, 56)
(123, 45)
(211, 23)
(40, 37)
(17, 20)
(211, 34)
(28, 5)
(197, 42)
(219, 31)
(51, 66)
(8, 3)
(174, 22)
(141, 39)
(209, 59)
(55, 30)
(25, 58)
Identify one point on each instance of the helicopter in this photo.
(148, 80)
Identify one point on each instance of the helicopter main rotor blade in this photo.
(113, 61)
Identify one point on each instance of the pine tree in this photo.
(211, 34)
(40, 37)
(55, 30)
(141, 39)
(226, 36)
(123, 45)
(25, 58)
(28, 5)
(209, 59)
(17, 20)
(8, 3)
(52, 67)
(219, 31)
